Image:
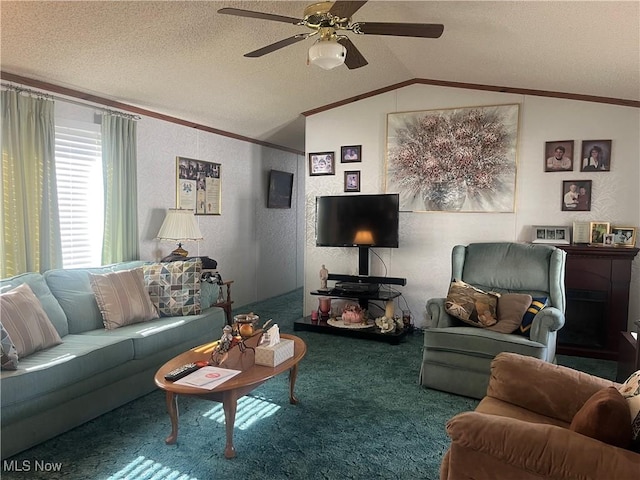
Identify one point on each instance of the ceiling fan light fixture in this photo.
(327, 54)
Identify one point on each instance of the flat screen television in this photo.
(357, 220)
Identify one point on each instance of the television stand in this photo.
(363, 298)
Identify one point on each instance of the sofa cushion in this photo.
(158, 335)
(471, 305)
(537, 304)
(26, 322)
(122, 298)
(174, 287)
(605, 417)
(630, 390)
(71, 288)
(9, 359)
(464, 347)
(511, 309)
(76, 359)
(49, 302)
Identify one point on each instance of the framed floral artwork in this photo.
(454, 160)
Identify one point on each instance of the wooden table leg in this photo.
(293, 375)
(172, 408)
(230, 405)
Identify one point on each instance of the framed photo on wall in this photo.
(351, 153)
(322, 163)
(352, 181)
(280, 188)
(198, 186)
(558, 156)
(596, 156)
(576, 196)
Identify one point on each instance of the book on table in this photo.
(208, 377)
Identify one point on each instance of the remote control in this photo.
(183, 371)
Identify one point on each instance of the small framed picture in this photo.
(576, 196)
(351, 153)
(598, 231)
(552, 235)
(322, 163)
(608, 240)
(581, 232)
(596, 156)
(558, 156)
(352, 181)
(624, 236)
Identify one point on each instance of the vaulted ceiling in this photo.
(183, 59)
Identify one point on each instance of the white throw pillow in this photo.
(122, 298)
(26, 322)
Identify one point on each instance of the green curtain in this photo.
(120, 241)
(30, 222)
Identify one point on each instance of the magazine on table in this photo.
(207, 377)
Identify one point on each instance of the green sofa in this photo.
(94, 370)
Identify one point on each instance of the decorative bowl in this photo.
(244, 324)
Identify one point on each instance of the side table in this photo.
(226, 304)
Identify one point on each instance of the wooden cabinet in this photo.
(597, 286)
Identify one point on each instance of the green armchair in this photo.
(457, 357)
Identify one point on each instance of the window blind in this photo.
(78, 152)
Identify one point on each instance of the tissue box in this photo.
(273, 356)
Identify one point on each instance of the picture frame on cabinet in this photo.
(608, 240)
(322, 163)
(352, 181)
(351, 153)
(581, 232)
(597, 232)
(554, 235)
(596, 156)
(624, 236)
(576, 196)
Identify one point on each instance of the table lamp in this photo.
(179, 225)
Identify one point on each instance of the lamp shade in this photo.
(179, 225)
(327, 54)
(363, 237)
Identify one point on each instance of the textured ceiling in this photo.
(185, 60)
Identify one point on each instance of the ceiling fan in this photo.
(326, 19)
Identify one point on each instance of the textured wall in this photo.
(258, 248)
(426, 239)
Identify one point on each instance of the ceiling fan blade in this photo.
(263, 16)
(276, 46)
(424, 30)
(345, 9)
(354, 58)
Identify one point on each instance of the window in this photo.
(80, 192)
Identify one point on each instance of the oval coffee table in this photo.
(229, 392)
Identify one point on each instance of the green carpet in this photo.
(361, 415)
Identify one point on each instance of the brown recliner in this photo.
(520, 429)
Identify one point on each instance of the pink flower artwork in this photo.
(453, 160)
